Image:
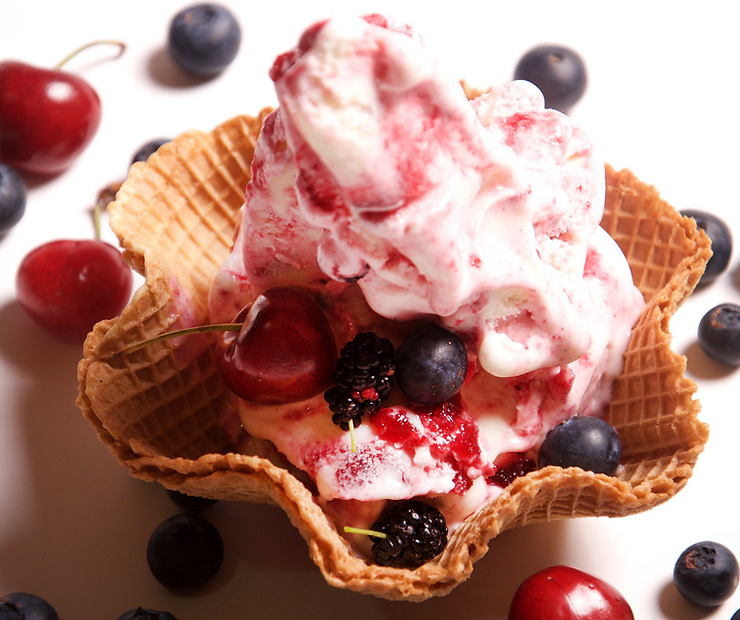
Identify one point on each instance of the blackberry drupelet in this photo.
(415, 533)
(362, 380)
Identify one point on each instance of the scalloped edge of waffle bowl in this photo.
(158, 409)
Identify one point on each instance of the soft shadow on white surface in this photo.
(80, 538)
(674, 606)
(734, 274)
(700, 366)
(163, 70)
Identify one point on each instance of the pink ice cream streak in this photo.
(376, 172)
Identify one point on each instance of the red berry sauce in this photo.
(447, 429)
(509, 467)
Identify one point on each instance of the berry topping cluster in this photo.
(429, 367)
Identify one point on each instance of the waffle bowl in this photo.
(159, 409)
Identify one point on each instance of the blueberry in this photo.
(736, 615)
(146, 614)
(719, 334)
(148, 149)
(190, 502)
(431, 365)
(12, 198)
(721, 237)
(22, 606)
(204, 39)
(706, 574)
(583, 441)
(559, 72)
(185, 552)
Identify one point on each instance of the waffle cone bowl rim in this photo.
(647, 479)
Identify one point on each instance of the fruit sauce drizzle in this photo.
(404, 448)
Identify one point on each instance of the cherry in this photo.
(284, 352)
(67, 286)
(47, 116)
(565, 593)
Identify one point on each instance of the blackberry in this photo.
(362, 380)
(415, 533)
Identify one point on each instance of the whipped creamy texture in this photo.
(381, 188)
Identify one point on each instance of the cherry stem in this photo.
(358, 530)
(66, 59)
(201, 329)
(353, 445)
(96, 220)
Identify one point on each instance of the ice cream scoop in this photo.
(381, 187)
(377, 169)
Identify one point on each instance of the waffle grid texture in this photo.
(159, 409)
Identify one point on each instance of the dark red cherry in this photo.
(565, 593)
(47, 116)
(284, 352)
(67, 286)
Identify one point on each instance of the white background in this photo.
(662, 100)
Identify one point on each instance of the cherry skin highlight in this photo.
(284, 352)
(565, 593)
(67, 286)
(47, 118)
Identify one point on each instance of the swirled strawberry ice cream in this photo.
(381, 190)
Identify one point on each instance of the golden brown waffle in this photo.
(158, 409)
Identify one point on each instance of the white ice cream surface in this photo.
(379, 186)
